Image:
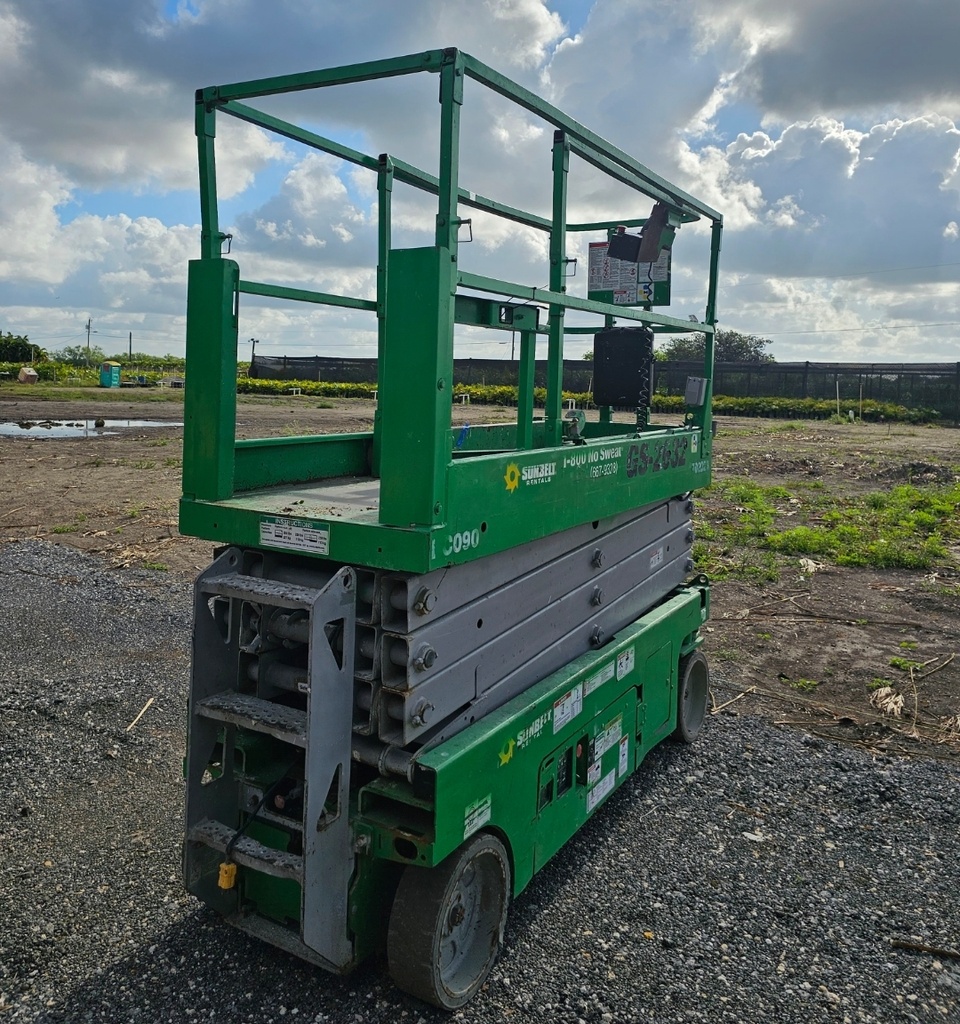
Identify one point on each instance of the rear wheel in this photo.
(692, 690)
(447, 923)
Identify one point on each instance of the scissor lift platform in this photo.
(424, 656)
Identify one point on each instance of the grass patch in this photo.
(905, 664)
(755, 506)
(729, 542)
(781, 428)
(904, 528)
(738, 525)
(47, 391)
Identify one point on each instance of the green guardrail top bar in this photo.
(274, 291)
(629, 222)
(545, 296)
(511, 90)
(429, 60)
(404, 172)
(432, 60)
(291, 131)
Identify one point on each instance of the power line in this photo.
(819, 277)
(862, 330)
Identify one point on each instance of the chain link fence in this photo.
(914, 385)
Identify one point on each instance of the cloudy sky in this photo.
(825, 132)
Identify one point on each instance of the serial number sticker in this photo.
(296, 534)
(593, 773)
(625, 662)
(476, 815)
(694, 442)
(604, 788)
(598, 679)
(567, 707)
(624, 756)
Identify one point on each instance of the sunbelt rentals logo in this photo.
(542, 473)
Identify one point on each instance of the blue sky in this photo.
(826, 134)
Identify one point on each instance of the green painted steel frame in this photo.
(499, 761)
(429, 495)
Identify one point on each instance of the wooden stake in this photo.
(142, 713)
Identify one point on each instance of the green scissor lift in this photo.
(423, 657)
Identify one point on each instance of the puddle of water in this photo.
(75, 428)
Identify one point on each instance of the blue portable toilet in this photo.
(109, 374)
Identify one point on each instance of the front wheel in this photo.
(692, 691)
(447, 923)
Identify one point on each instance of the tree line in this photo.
(18, 348)
(728, 347)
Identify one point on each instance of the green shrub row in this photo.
(45, 370)
(817, 409)
(505, 394)
(326, 389)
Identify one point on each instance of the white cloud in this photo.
(14, 34)
(825, 133)
(837, 58)
(29, 196)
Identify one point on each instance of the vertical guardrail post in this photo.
(558, 250)
(210, 397)
(384, 242)
(704, 416)
(416, 371)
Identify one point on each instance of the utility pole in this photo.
(253, 349)
(130, 348)
(89, 321)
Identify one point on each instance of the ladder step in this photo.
(246, 851)
(283, 723)
(261, 591)
(284, 938)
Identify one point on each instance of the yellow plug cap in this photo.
(228, 875)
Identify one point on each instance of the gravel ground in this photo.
(760, 875)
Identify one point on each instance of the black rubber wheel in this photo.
(692, 690)
(447, 923)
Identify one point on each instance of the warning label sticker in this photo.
(476, 815)
(295, 534)
(610, 736)
(628, 283)
(598, 679)
(567, 707)
(599, 791)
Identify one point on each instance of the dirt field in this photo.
(806, 642)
